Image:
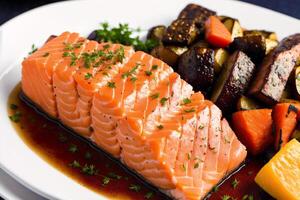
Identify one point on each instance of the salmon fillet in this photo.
(136, 108)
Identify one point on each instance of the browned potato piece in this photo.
(168, 54)
(245, 103)
(275, 70)
(196, 66)
(233, 26)
(233, 81)
(266, 34)
(181, 32)
(221, 55)
(270, 45)
(156, 33)
(198, 13)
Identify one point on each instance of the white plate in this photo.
(17, 36)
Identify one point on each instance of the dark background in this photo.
(11, 8)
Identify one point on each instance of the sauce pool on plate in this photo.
(92, 168)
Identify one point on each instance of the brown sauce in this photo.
(93, 169)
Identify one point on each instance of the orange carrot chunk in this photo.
(254, 129)
(216, 33)
(285, 120)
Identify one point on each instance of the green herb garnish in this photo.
(114, 175)
(73, 148)
(124, 35)
(33, 49)
(13, 106)
(234, 183)
(89, 170)
(186, 101)
(135, 187)
(75, 164)
(160, 127)
(163, 101)
(88, 76)
(226, 197)
(88, 155)
(154, 67)
(111, 84)
(149, 195)
(189, 110)
(196, 165)
(148, 73)
(46, 54)
(16, 116)
(105, 180)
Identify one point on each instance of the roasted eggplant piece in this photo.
(197, 13)
(233, 81)
(196, 66)
(168, 54)
(156, 33)
(270, 45)
(181, 32)
(275, 70)
(265, 34)
(233, 26)
(245, 103)
(221, 55)
(252, 45)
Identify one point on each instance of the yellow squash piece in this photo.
(280, 177)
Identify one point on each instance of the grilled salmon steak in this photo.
(136, 108)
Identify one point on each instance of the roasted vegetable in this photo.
(196, 66)
(266, 34)
(233, 81)
(245, 103)
(275, 70)
(181, 32)
(168, 54)
(270, 45)
(280, 177)
(254, 129)
(198, 13)
(233, 26)
(284, 117)
(221, 55)
(296, 82)
(156, 33)
(216, 33)
(253, 45)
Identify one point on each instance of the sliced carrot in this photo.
(216, 33)
(285, 120)
(254, 129)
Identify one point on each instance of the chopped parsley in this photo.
(135, 187)
(88, 155)
(201, 126)
(89, 170)
(215, 189)
(33, 49)
(114, 175)
(189, 156)
(88, 76)
(148, 195)
(184, 167)
(123, 34)
(196, 165)
(186, 101)
(226, 197)
(16, 116)
(247, 197)
(131, 72)
(133, 79)
(160, 127)
(154, 96)
(73, 148)
(111, 84)
(189, 110)
(234, 183)
(148, 73)
(75, 164)
(105, 180)
(61, 137)
(154, 67)
(163, 101)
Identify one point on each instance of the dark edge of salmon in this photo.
(148, 185)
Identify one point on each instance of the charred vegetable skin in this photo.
(196, 66)
(156, 33)
(252, 45)
(181, 32)
(275, 70)
(168, 54)
(233, 81)
(197, 13)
